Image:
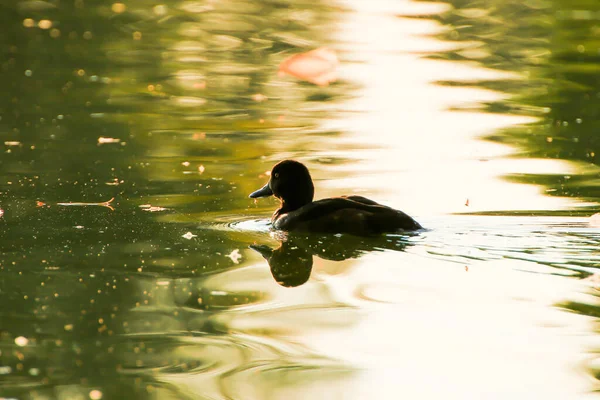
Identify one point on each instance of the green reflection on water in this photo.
(161, 107)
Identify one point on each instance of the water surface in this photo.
(134, 265)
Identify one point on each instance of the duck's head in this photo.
(291, 183)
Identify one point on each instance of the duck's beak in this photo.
(263, 250)
(262, 192)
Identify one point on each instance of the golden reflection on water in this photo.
(458, 333)
(462, 313)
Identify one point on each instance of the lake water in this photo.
(134, 265)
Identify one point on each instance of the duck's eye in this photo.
(276, 174)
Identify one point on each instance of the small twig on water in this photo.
(101, 204)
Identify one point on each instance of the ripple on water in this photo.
(222, 365)
(251, 225)
(554, 241)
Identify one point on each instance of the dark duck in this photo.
(291, 183)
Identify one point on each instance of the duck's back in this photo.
(349, 214)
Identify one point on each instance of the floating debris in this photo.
(235, 256)
(189, 235)
(106, 140)
(151, 208)
(114, 182)
(101, 204)
(21, 341)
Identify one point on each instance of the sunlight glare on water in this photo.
(452, 309)
(401, 104)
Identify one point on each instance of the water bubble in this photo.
(189, 235)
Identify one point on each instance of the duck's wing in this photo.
(324, 207)
(353, 214)
(362, 200)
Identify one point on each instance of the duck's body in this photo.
(291, 183)
(347, 214)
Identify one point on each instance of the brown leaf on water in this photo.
(317, 66)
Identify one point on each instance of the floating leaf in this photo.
(317, 66)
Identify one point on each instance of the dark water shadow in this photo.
(291, 263)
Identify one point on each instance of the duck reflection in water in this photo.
(291, 263)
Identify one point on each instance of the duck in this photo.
(291, 183)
